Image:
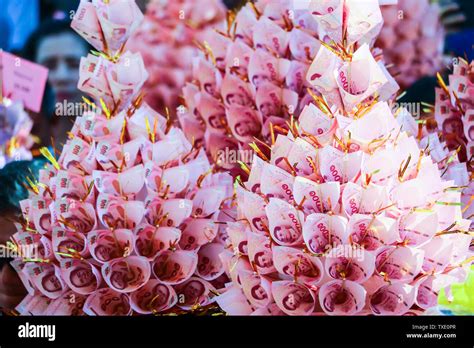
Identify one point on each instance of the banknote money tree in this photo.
(345, 215)
(454, 118)
(249, 79)
(167, 41)
(447, 130)
(125, 220)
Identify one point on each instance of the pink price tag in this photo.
(22, 80)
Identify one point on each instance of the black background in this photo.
(242, 331)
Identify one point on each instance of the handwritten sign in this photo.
(22, 80)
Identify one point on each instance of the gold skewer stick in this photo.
(339, 54)
(105, 108)
(244, 167)
(263, 143)
(272, 133)
(46, 153)
(209, 51)
(442, 84)
(259, 152)
(169, 121)
(255, 9)
(292, 168)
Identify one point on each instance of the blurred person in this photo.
(57, 47)
(12, 191)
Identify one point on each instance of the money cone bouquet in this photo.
(125, 220)
(167, 40)
(454, 117)
(412, 39)
(345, 215)
(249, 79)
(15, 132)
